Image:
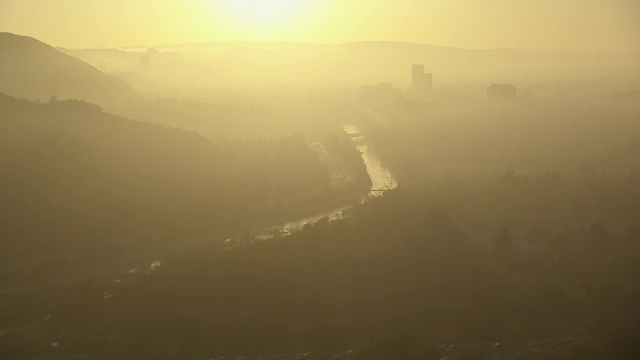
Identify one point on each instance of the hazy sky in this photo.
(592, 25)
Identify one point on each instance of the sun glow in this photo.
(266, 15)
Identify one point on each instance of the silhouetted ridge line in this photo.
(32, 69)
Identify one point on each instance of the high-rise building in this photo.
(418, 77)
(428, 81)
(421, 81)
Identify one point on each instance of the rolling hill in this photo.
(70, 171)
(73, 174)
(34, 70)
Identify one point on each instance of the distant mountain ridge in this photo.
(283, 44)
(245, 64)
(32, 69)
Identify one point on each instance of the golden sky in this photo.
(589, 25)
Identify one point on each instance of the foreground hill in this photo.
(72, 174)
(32, 69)
(69, 171)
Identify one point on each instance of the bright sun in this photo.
(266, 14)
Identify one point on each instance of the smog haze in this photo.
(307, 179)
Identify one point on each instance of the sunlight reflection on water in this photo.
(381, 178)
(154, 266)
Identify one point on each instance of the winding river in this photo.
(381, 179)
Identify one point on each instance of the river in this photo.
(381, 180)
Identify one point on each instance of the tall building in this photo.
(497, 92)
(421, 81)
(418, 77)
(428, 81)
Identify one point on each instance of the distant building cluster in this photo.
(499, 92)
(422, 90)
(421, 81)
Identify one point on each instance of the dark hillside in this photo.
(68, 169)
(32, 69)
